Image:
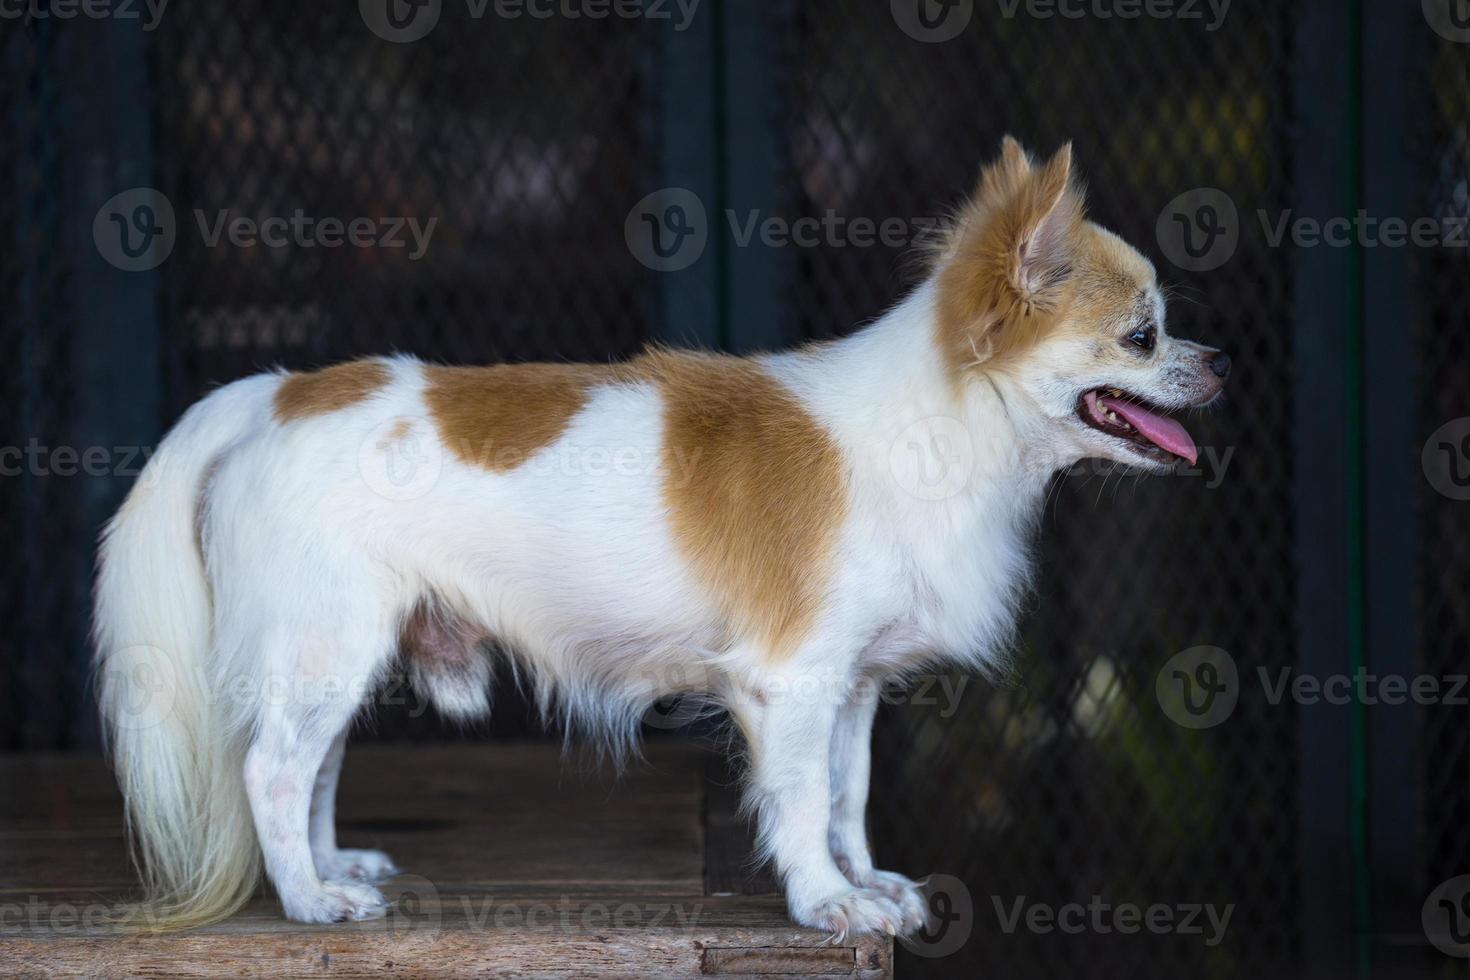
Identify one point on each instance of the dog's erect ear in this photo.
(1004, 176)
(1045, 231)
(1007, 271)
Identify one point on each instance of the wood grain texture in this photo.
(520, 864)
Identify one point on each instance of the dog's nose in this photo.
(1220, 364)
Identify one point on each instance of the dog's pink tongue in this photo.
(1160, 430)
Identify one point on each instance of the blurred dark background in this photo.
(1325, 543)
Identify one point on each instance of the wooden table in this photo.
(520, 863)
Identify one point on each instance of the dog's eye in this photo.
(1142, 338)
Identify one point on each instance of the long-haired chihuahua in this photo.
(779, 533)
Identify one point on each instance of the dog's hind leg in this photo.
(334, 863)
(317, 678)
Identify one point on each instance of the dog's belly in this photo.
(566, 562)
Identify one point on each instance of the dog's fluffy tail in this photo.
(169, 735)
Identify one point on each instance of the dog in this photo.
(776, 532)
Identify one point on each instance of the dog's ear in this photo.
(1008, 269)
(1003, 176)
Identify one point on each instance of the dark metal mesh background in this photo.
(525, 139)
(43, 586)
(1444, 384)
(529, 140)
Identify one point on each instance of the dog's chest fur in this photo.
(952, 596)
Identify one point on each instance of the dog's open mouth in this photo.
(1128, 417)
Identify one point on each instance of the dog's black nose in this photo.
(1220, 364)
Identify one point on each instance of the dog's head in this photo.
(1069, 314)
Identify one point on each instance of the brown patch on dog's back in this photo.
(499, 416)
(755, 489)
(328, 390)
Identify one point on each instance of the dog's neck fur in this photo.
(873, 384)
(969, 552)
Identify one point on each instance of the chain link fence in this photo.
(491, 160)
(1443, 342)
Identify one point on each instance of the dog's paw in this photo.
(350, 866)
(337, 902)
(906, 894)
(855, 911)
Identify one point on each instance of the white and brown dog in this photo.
(758, 532)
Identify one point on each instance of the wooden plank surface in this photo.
(519, 863)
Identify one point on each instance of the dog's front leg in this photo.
(790, 737)
(848, 835)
